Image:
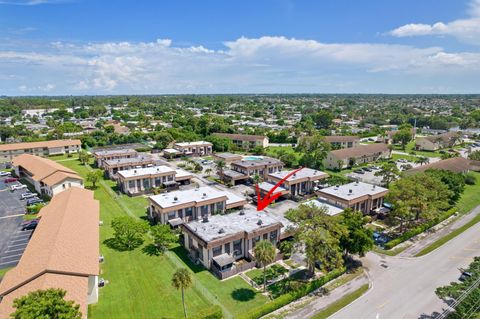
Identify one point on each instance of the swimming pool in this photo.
(252, 158)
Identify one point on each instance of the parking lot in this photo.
(12, 239)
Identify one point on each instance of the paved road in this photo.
(405, 287)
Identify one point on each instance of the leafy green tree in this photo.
(448, 155)
(466, 292)
(389, 173)
(403, 136)
(94, 176)
(422, 160)
(49, 303)
(454, 181)
(163, 139)
(220, 144)
(128, 232)
(84, 157)
(264, 253)
(163, 237)
(314, 149)
(475, 155)
(359, 239)
(182, 279)
(418, 198)
(320, 234)
(220, 167)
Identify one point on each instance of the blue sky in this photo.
(269, 46)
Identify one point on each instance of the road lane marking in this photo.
(470, 249)
(382, 305)
(459, 258)
(11, 216)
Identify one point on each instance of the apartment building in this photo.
(228, 158)
(219, 241)
(359, 196)
(63, 253)
(301, 183)
(339, 142)
(46, 176)
(439, 141)
(43, 149)
(246, 169)
(455, 165)
(182, 206)
(141, 180)
(348, 157)
(245, 141)
(107, 155)
(198, 148)
(111, 167)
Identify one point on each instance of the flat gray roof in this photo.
(146, 171)
(219, 226)
(257, 162)
(198, 195)
(196, 143)
(353, 190)
(137, 159)
(114, 151)
(303, 173)
(266, 187)
(228, 155)
(321, 203)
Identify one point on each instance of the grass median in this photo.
(341, 303)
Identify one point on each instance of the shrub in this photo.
(470, 179)
(287, 298)
(420, 229)
(33, 209)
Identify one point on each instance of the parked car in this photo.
(367, 169)
(465, 275)
(32, 224)
(359, 171)
(33, 201)
(28, 195)
(11, 180)
(402, 160)
(18, 187)
(3, 174)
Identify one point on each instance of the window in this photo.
(273, 236)
(146, 183)
(219, 207)
(216, 251)
(265, 236)
(131, 184)
(227, 248)
(255, 240)
(237, 248)
(188, 212)
(204, 210)
(158, 182)
(171, 215)
(63, 185)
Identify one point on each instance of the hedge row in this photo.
(292, 296)
(420, 229)
(214, 312)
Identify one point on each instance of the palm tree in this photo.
(352, 161)
(264, 252)
(208, 171)
(220, 166)
(257, 179)
(182, 279)
(340, 164)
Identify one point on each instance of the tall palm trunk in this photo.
(183, 302)
(264, 278)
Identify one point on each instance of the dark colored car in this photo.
(32, 224)
(359, 171)
(11, 180)
(33, 201)
(367, 169)
(465, 275)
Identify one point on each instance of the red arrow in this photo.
(263, 203)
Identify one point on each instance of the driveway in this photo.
(405, 287)
(12, 240)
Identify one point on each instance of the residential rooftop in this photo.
(304, 173)
(143, 171)
(44, 144)
(264, 161)
(114, 152)
(353, 190)
(131, 160)
(228, 155)
(320, 202)
(196, 143)
(196, 195)
(455, 164)
(219, 226)
(241, 137)
(361, 150)
(341, 138)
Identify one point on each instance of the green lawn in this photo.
(139, 284)
(470, 197)
(410, 158)
(411, 148)
(341, 303)
(273, 151)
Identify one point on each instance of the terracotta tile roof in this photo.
(62, 252)
(43, 169)
(360, 150)
(241, 137)
(48, 144)
(456, 165)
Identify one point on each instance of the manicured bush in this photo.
(470, 179)
(287, 298)
(214, 312)
(420, 229)
(33, 209)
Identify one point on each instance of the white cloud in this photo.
(265, 64)
(29, 2)
(467, 30)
